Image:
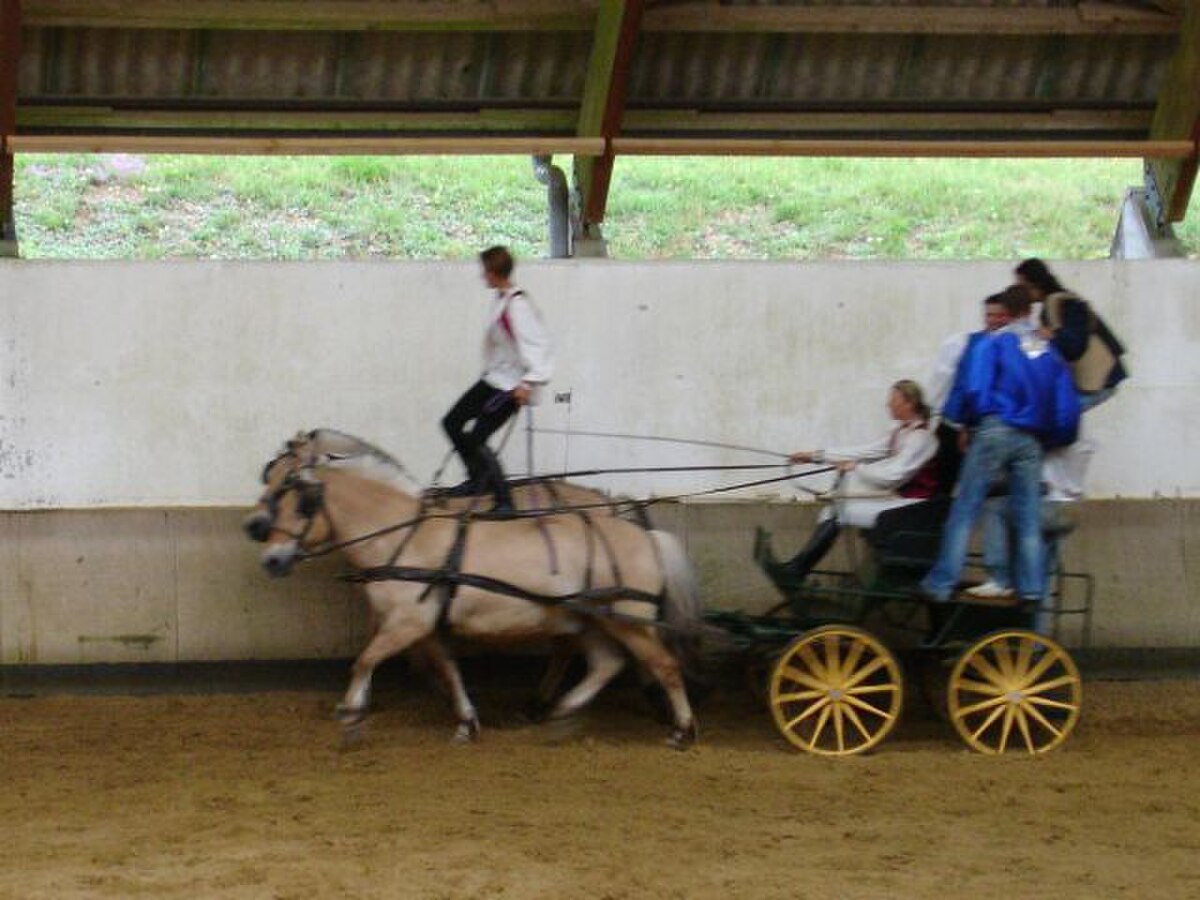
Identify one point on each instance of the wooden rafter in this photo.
(1086, 17)
(1178, 117)
(603, 104)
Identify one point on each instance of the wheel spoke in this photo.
(866, 672)
(1041, 720)
(1004, 660)
(867, 707)
(850, 663)
(1052, 704)
(981, 706)
(1061, 681)
(986, 669)
(979, 687)
(839, 727)
(856, 721)
(1024, 655)
(804, 678)
(833, 663)
(805, 651)
(1040, 667)
(823, 703)
(797, 696)
(1023, 725)
(872, 689)
(1006, 728)
(822, 721)
(986, 723)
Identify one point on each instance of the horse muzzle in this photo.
(257, 526)
(278, 560)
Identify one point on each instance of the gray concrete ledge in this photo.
(168, 586)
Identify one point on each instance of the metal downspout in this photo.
(558, 202)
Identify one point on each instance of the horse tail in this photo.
(682, 610)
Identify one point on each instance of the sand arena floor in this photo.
(249, 796)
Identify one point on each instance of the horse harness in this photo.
(445, 581)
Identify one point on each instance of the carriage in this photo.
(833, 684)
(833, 658)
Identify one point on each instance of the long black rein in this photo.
(450, 577)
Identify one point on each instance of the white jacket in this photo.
(886, 465)
(516, 347)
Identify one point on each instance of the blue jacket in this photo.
(1028, 387)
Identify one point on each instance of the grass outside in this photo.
(159, 207)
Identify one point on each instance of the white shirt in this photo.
(945, 367)
(892, 461)
(516, 347)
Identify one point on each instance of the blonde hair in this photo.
(911, 391)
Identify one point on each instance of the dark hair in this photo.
(911, 391)
(497, 260)
(1039, 275)
(994, 299)
(1016, 300)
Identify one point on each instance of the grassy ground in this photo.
(122, 207)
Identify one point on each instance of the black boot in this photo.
(798, 567)
(494, 480)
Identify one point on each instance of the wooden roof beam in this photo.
(303, 146)
(1178, 117)
(603, 104)
(1087, 17)
(1023, 149)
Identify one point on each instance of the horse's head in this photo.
(296, 452)
(298, 521)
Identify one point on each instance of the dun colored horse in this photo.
(601, 579)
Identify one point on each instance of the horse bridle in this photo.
(310, 502)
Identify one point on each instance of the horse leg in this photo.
(447, 668)
(604, 661)
(648, 649)
(390, 639)
(562, 651)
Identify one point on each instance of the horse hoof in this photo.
(353, 736)
(563, 729)
(467, 732)
(536, 711)
(683, 738)
(350, 716)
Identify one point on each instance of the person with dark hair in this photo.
(1080, 336)
(945, 369)
(896, 470)
(517, 362)
(1015, 395)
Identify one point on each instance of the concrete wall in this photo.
(139, 401)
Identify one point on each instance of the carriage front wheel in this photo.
(1014, 691)
(836, 691)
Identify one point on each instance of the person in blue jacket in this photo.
(1015, 395)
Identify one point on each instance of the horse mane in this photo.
(345, 451)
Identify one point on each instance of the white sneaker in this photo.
(989, 590)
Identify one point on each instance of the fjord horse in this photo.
(601, 579)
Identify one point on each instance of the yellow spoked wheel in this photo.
(836, 691)
(1015, 691)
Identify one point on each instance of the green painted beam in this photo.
(10, 54)
(602, 108)
(1178, 116)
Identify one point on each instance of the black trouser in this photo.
(489, 408)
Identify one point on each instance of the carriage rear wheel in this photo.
(1015, 691)
(836, 691)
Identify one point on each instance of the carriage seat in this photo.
(909, 537)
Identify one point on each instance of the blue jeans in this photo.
(997, 450)
(1056, 521)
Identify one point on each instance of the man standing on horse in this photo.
(517, 361)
